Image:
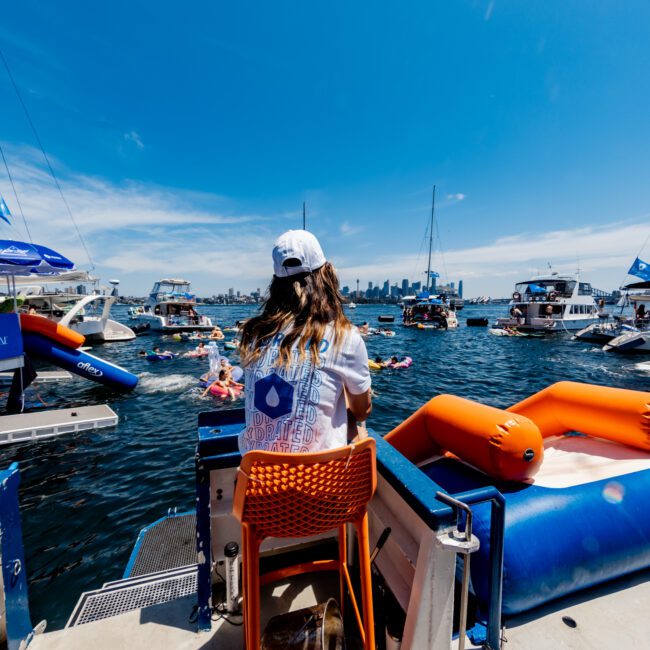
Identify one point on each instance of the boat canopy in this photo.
(638, 285)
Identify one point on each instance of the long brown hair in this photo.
(301, 306)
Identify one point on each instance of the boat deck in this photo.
(171, 625)
(609, 616)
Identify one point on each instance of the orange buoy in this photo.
(51, 330)
(615, 414)
(499, 443)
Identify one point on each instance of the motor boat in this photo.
(461, 500)
(171, 307)
(636, 340)
(552, 303)
(85, 313)
(429, 311)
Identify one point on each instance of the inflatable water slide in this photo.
(59, 345)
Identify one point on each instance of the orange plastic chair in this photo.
(300, 495)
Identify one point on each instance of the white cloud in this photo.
(134, 137)
(348, 229)
(141, 232)
(603, 255)
(456, 198)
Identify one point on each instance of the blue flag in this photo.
(641, 269)
(4, 210)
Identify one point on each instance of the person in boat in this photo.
(305, 366)
(641, 315)
(517, 314)
(363, 330)
(548, 311)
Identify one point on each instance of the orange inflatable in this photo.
(615, 414)
(499, 443)
(51, 330)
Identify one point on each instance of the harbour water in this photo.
(84, 497)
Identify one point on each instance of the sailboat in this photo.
(430, 309)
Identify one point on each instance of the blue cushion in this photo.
(557, 540)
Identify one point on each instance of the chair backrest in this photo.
(298, 495)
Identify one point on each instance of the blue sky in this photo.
(187, 135)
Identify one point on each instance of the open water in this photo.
(85, 497)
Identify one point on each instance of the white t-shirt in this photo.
(302, 408)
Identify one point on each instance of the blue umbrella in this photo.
(21, 258)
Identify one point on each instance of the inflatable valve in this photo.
(502, 444)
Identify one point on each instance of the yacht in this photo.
(171, 307)
(85, 313)
(552, 302)
(636, 340)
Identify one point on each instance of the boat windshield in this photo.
(540, 289)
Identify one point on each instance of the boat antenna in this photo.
(47, 160)
(304, 216)
(433, 209)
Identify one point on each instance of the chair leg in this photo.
(343, 560)
(253, 578)
(244, 577)
(366, 581)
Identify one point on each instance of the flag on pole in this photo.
(4, 210)
(640, 269)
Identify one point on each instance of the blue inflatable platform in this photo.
(81, 363)
(557, 540)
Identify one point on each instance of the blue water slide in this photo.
(81, 363)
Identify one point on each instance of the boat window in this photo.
(584, 289)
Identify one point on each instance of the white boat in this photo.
(352, 305)
(171, 307)
(553, 302)
(638, 340)
(88, 314)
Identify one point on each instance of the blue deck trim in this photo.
(14, 570)
(138, 541)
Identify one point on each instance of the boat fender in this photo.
(504, 445)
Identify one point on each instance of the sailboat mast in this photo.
(433, 208)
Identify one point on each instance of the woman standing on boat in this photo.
(306, 367)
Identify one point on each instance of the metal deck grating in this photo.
(166, 545)
(104, 603)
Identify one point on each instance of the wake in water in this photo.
(644, 366)
(151, 383)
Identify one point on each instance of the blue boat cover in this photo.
(557, 540)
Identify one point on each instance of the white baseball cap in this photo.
(296, 251)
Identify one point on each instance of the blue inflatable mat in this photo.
(557, 540)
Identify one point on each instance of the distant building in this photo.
(386, 289)
(460, 288)
(345, 291)
(405, 287)
(231, 293)
(81, 289)
(416, 286)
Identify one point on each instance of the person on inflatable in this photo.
(363, 329)
(216, 334)
(230, 387)
(305, 365)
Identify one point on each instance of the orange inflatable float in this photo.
(509, 444)
(614, 414)
(51, 330)
(501, 444)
